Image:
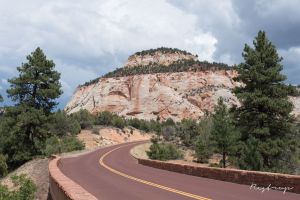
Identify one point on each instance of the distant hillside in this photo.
(159, 84)
(161, 60)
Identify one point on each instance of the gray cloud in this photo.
(88, 39)
(234, 23)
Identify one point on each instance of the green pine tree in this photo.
(223, 133)
(264, 117)
(1, 98)
(24, 130)
(204, 145)
(38, 83)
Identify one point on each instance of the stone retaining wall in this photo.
(63, 188)
(230, 175)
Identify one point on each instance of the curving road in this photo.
(112, 173)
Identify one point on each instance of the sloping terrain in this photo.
(159, 84)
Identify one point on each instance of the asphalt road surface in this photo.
(112, 173)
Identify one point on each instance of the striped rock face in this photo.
(159, 58)
(175, 95)
(167, 95)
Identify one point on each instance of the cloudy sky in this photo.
(89, 38)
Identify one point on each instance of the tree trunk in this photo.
(224, 160)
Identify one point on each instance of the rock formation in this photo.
(176, 95)
(159, 56)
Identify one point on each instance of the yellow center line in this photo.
(193, 196)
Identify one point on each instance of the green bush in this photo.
(168, 132)
(71, 144)
(3, 166)
(168, 122)
(118, 122)
(52, 146)
(204, 145)
(202, 150)
(61, 124)
(110, 119)
(152, 68)
(84, 118)
(164, 151)
(104, 118)
(163, 50)
(187, 131)
(144, 125)
(26, 189)
(55, 145)
(178, 66)
(134, 122)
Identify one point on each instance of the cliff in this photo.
(186, 88)
(160, 56)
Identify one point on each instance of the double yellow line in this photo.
(193, 196)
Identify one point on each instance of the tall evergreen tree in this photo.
(35, 91)
(223, 131)
(38, 83)
(1, 98)
(264, 116)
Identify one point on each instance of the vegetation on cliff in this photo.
(163, 50)
(178, 66)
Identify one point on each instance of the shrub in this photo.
(56, 145)
(163, 151)
(155, 126)
(188, 130)
(168, 122)
(118, 122)
(202, 150)
(168, 133)
(52, 146)
(71, 144)
(61, 124)
(26, 189)
(3, 166)
(204, 144)
(136, 123)
(178, 66)
(104, 118)
(84, 118)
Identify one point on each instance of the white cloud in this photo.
(291, 63)
(290, 8)
(220, 19)
(205, 46)
(72, 76)
(4, 81)
(7, 69)
(68, 28)
(292, 54)
(88, 38)
(78, 34)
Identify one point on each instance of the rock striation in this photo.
(176, 95)
(161, 56)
